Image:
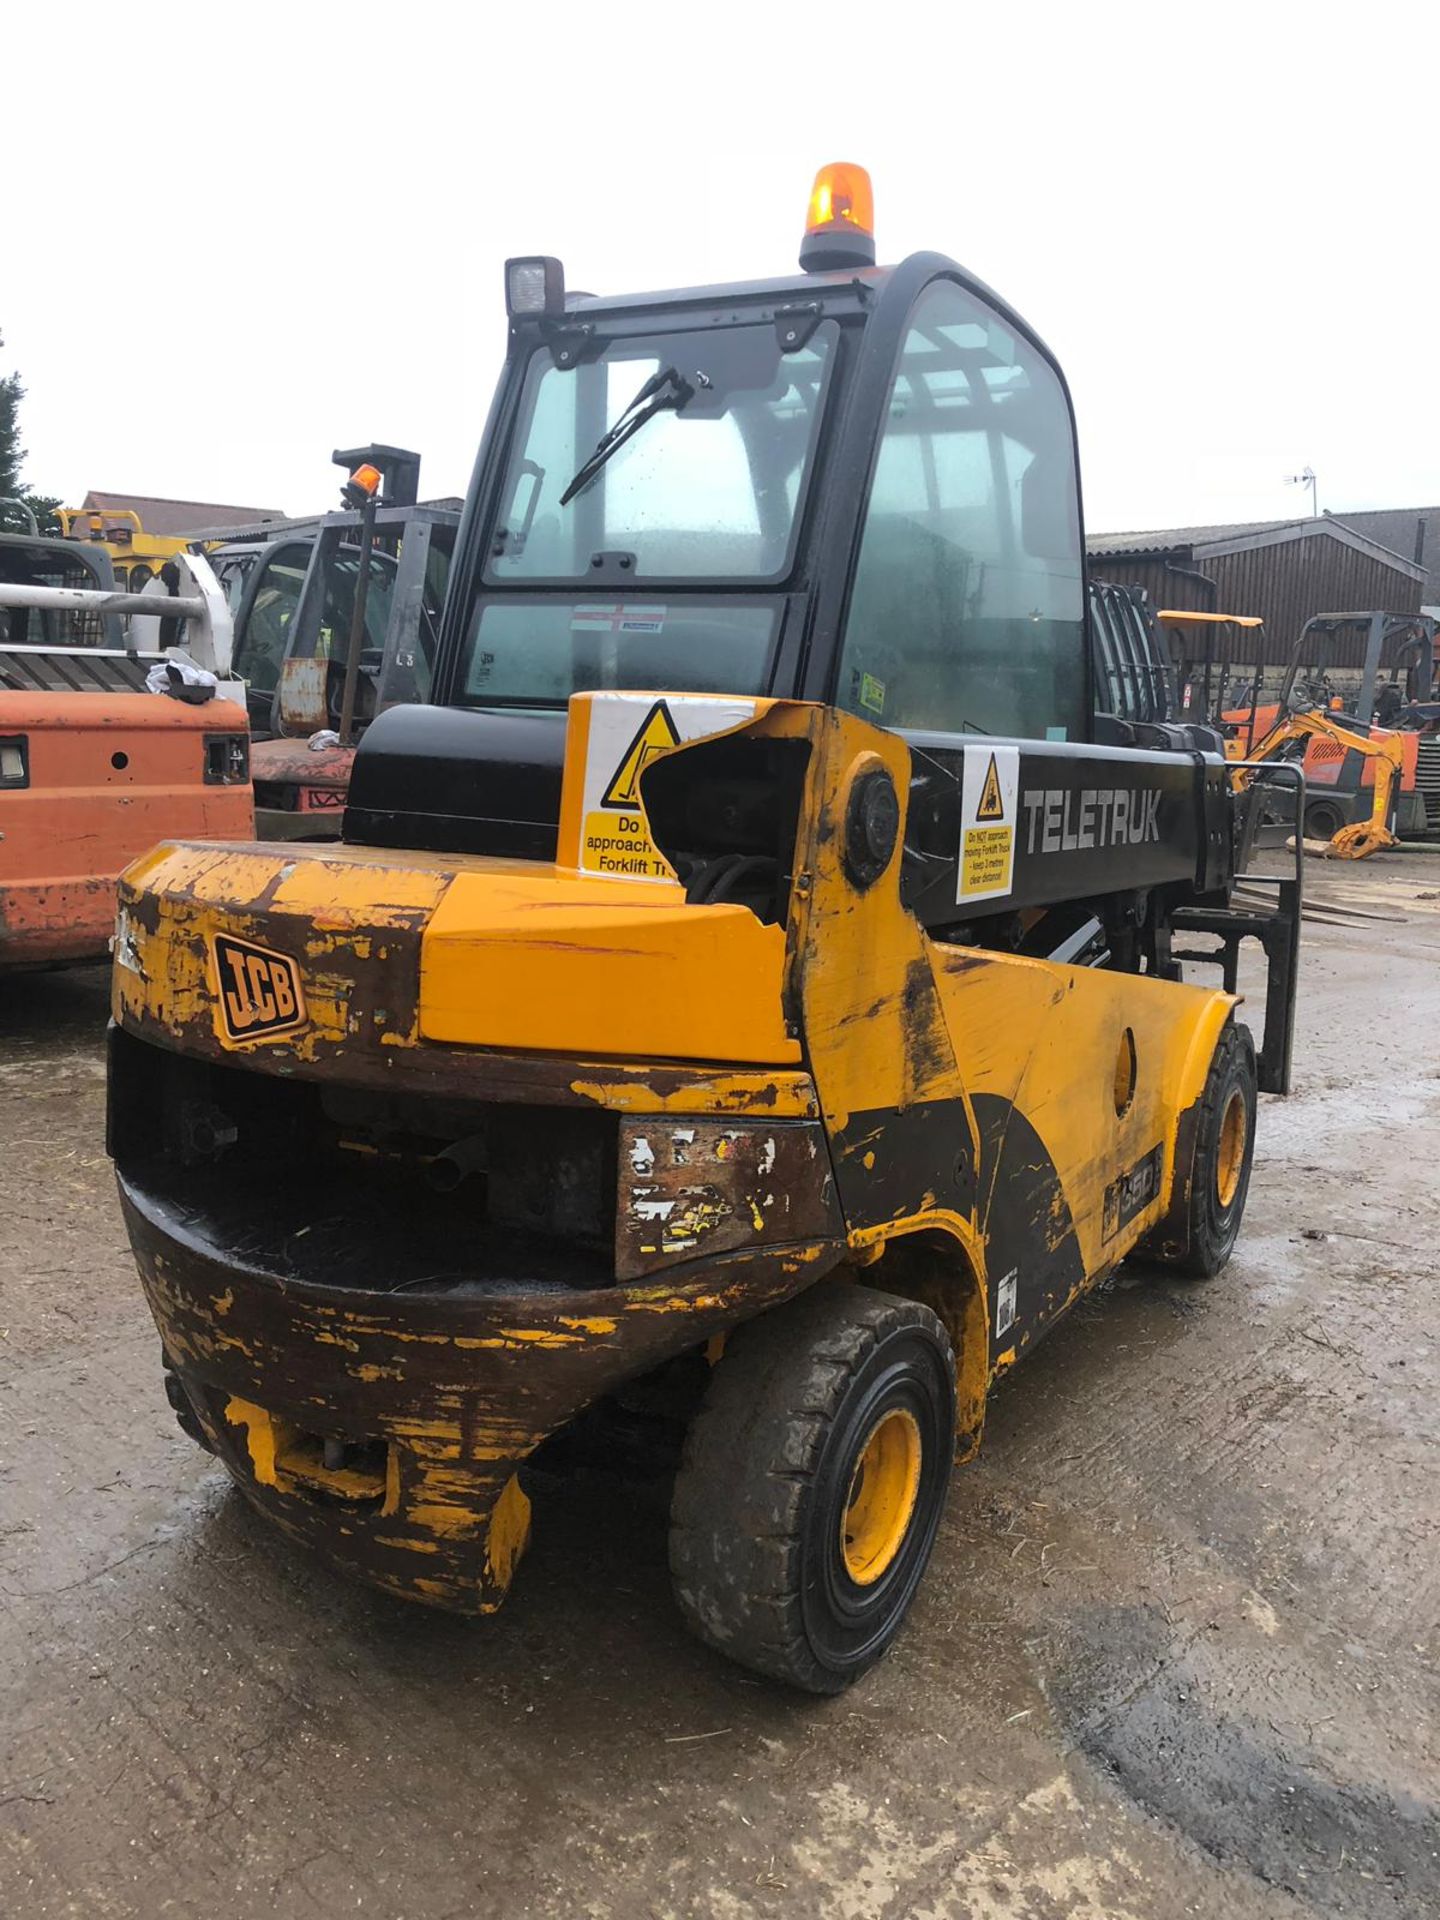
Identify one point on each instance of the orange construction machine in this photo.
(95, 768)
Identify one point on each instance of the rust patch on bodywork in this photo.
(701, 1187)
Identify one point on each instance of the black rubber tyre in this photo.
(1323, 820)
(185, 1417)
(1223, 1155)
(761, 1549)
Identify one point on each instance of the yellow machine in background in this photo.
(1362, 837)
(137, 556)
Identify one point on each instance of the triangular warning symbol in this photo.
(992, 805)
(656, 735)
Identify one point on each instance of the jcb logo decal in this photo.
(260, 995)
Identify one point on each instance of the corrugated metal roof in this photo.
(1395, 528)
(1201, 543)
(1167, 539)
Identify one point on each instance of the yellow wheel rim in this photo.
(883, 1487)
(1231, 1157)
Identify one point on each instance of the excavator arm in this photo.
(1362, 837)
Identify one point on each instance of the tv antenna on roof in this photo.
(1306, 479)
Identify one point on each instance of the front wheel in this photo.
(1224, 1150)
(812, 1484)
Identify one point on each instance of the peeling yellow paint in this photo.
(778, 1095)
(443, 1591)
(508, 1534)
(391, 1503)
(540, 1336)
(441, 1519)
(259, 1437)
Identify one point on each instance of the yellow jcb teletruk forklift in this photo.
(746, 996)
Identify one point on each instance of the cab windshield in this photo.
(707, 487)
(696, 502)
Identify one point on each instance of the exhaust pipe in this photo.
(457, 1163)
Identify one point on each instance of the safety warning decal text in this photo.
(627, 732)
(987, 822)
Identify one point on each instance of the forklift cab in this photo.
(1397, 667)
(28, 560)
(294, 629)
(856, 486)
(294, 599)
(300, 669)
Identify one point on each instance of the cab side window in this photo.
(967, 609)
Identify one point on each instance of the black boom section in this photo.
(448, 780)
(998, 825)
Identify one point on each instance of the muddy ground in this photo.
(1176, 1654)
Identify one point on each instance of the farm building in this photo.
(1412, 532)
(1283, 570)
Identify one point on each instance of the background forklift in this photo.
(1371, 755)
(333, 626)
(747, 998)
(1204, 649)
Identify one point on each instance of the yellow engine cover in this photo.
(550, 960)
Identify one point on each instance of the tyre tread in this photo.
(774, 1393)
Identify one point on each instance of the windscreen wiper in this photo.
(666, 391)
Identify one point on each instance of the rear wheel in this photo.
(1224, 1149)
(812, 1484)
(185, 1415)
(1323, 820)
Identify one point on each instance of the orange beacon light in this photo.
(840, 224)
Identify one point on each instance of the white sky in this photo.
(1216, 216)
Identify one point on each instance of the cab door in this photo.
(966, 610)
(263, 626)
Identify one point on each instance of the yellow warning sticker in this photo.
(655, 735)
(985, 861)
(988, 796)
(992, 805)
(620, 843)
(628, 731)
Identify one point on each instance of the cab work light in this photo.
(534, 285)
(840, 226)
